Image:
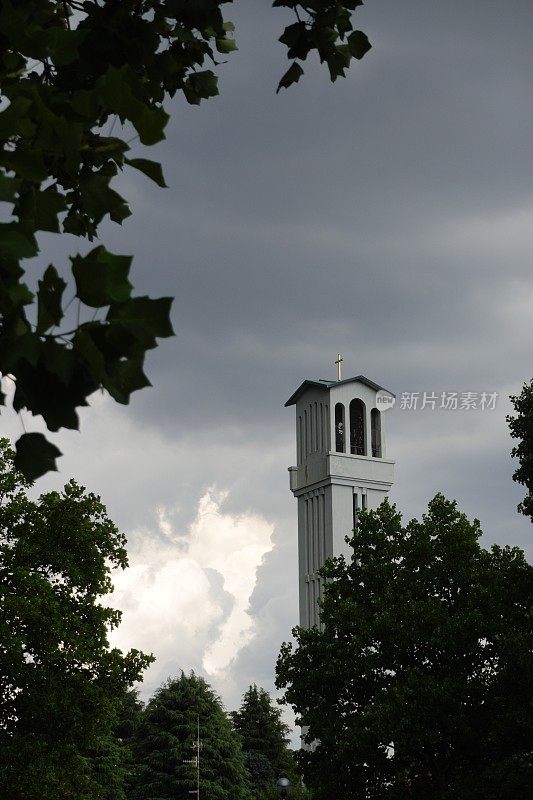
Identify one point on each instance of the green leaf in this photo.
(144, 316)
(48, 205)
(85, 103)
(358, 44)
(8, 188)
(152, 169)
(75, 223)
(293, 75)
(339, 61)
(35, 456)
(70, 135)
(344, 23)
(150, 125)
(102, 277)
(84, 343)
(28, 164)
(13, 121)
(20, 295)
(226, 45)
(98, 199)
(15, 244)
(117, 92)
(64, 43)
(26, 347)
(120, 213)
(115, 340)
(41, 388)
(296, 38)
(49, 298)
(11, 61)
(200, 86)
(124, 377)
(40, 209)
(58, 359)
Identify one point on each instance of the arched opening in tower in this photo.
(339, 428)
(357, 428)
(375, 425)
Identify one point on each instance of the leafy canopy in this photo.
(69, 71)
(419, 685)
(62, 685)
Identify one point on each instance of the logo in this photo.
(384, 400)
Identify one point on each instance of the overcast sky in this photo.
(388, 217)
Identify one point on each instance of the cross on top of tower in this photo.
(338, 362)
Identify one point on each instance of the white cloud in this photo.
(188, 603)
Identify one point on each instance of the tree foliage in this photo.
(62, 685)
(419, 685)
(264, 738)
(111, 761)
(69, 71)
(165, 745)
(521, 427)
(262, 774)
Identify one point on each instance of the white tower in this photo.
(342, 467)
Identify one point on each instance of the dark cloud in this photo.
(352, 215)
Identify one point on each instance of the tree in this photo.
(128, 721)
(521, 428)
(112, 762)
(419, 684)
(62, 685)
(69, 70)
(165, 745)
(264, 739)
(262, 774)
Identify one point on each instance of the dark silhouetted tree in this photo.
(264, 738)
(62, 684)
(521, 427)
(419, 685)
(262, 774)
(165, 745)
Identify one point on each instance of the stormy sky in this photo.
(389, 217)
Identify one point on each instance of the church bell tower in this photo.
(341, 467)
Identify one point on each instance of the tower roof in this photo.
(324, 384)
